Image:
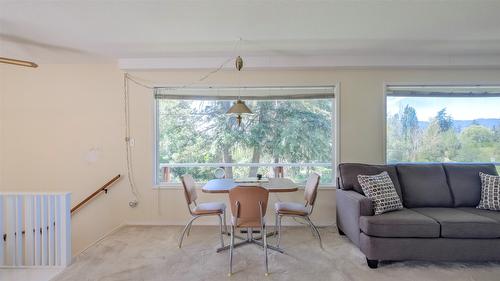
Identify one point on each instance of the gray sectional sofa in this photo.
(439, 221)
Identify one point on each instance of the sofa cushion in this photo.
(380, 189)
(401, 223)
(349, 172)
(494, 215)
(456, 223)
(490, 192)
(424, 185)
(465, 183)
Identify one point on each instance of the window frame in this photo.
(386, 85)
(335, 136)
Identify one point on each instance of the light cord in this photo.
(128, 148)
(236, 48)
(206, 76)
(134, 79)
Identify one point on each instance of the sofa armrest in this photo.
(350, 206)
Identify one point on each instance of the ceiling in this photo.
(353, 32)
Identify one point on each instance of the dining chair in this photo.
(248, 208)
(301, 210)
(201, 209)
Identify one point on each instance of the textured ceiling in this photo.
(75, 31)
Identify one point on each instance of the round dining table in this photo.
(273, 185)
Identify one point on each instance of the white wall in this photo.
(52, 116)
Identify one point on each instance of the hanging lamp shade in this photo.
(239, 107)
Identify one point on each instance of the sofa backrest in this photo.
(465, 183)
(424, 185)
(348, 175)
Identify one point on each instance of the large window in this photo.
(290, 132)
(443, 124)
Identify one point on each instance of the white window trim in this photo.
(335, 134)
(384, 101)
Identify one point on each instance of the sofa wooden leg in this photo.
(340, 231)
(372, 263)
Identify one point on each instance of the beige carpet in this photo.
(144, 253)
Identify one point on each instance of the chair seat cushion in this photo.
(456, 223)
(209, 208)
(291, 208)
(401, 223)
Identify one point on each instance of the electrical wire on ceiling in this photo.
(128, 139)
(206, 76)
(233, 57)
(136, 81)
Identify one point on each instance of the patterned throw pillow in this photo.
(380, 189)
(490, 192)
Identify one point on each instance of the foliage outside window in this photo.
(195, 136)
(443, 124)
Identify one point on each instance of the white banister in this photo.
(35, 229)
(2, 231)
(19, 214)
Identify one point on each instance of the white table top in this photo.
(274, 185)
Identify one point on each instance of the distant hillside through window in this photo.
(445, 125)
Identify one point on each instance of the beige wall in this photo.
(51, 117)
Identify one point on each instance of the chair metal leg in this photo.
(311, 228)
(225, 223)
(231, 248)
(316, 230)
(189, 229)
(276, 224)
(221, 231)
(313, 232)
(264, 231)
(185, 229)
(279, 231)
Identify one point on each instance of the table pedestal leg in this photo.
(251, 240)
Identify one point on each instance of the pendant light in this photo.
(239, 107)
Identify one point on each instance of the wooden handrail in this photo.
(103, 188)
